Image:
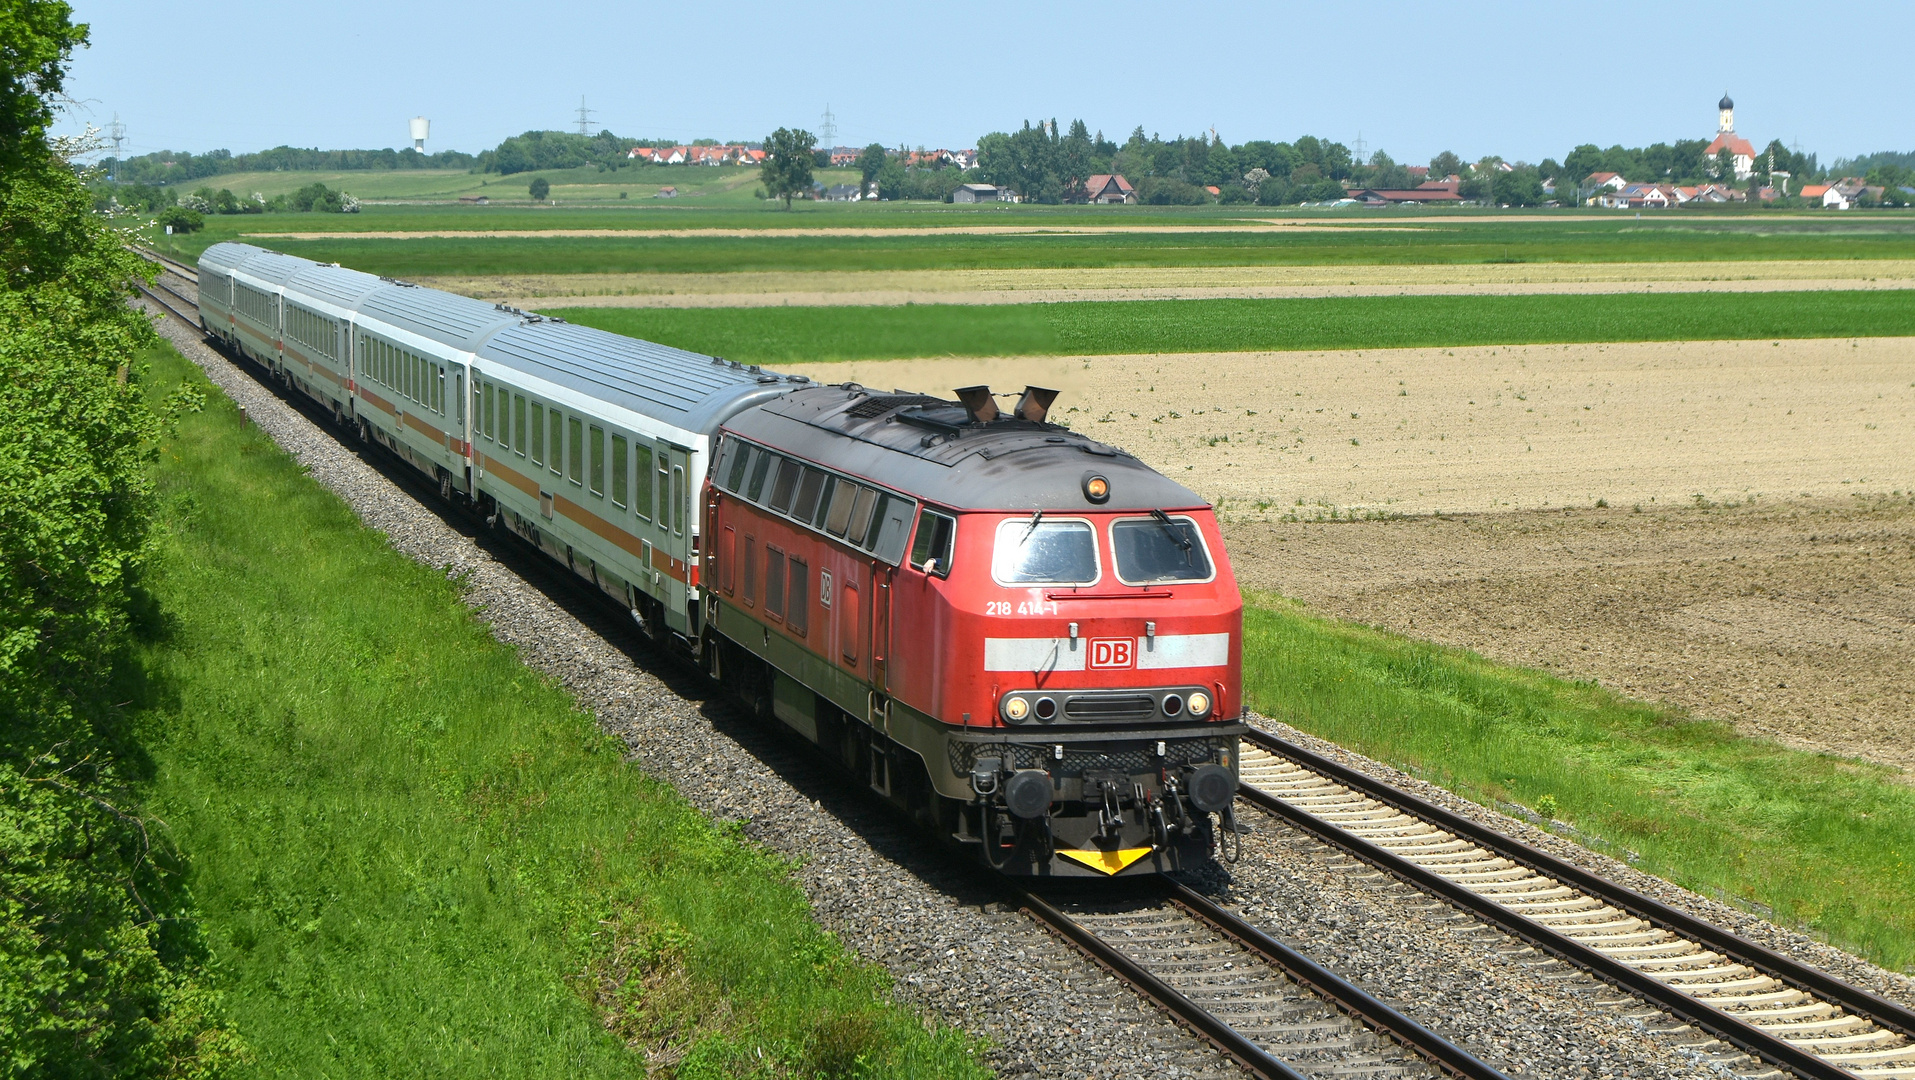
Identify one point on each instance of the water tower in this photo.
(420, 127)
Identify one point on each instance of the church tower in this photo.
(1725, 121)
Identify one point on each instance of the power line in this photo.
(827, 128)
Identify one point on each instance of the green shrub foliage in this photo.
(98, 970)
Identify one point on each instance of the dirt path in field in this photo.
(1418, 431)
(1782, 599)
(821, 288)
(1793, 619)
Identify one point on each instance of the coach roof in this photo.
(686, 389)
(928, 447)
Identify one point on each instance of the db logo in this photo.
(1112, 652)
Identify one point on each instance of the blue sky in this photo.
(1527, 80)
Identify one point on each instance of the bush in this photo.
(181, 219)
(1168, 191)
(318, 198)
(540, 189)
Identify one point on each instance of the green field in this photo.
(1826, 842)
(776, 335)
(415, 857)
(1368, 238)
(721, 186)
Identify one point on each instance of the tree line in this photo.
(173, 167)
(102, 969)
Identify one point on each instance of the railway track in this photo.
(1262, 1002)
(1770, 1006)
(180, 306)
(1279, 1014)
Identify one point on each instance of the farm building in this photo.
(1438, 193)
(1109, 188)
(976, 193)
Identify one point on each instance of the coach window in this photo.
(556, 455)
(931, 549)
(664, 460)
(798, 611)
(618, 471)
(439, 391)
(642, 497)
(491, 421)
(751, 571)
(678, 500)
(774, 582)
(538, 434)
(518, 423)
(596, 444)
(575, 450)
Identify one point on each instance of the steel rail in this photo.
(169, 308)
(1887, 1014)
(166, 263)
(1340, 993)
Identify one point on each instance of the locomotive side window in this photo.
(760, 465)
(860, 522)
(556, 454)
(538, 434)
(575, 450)
(618, 471)
(735, 473)
(642, 502)
(774, 581)
(931, 550)
(809, 489)
(798, 615)
(1150, 550)
(838, 517)
(1032, 551)
(893, 530)
(785, 486)
(595, 441)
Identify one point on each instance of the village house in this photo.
(977, 193)
(1109, 188)
(1417, 196)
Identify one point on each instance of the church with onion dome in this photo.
(1726, 138)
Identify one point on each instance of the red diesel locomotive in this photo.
(1028, 639)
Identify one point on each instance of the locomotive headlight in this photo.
(1016, 709)
(1198, 703)
(1097, 488)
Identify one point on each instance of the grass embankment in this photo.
(415, 856)
(773, 335)
(1359, 238)
(1826, 842)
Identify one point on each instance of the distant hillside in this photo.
(169, 167)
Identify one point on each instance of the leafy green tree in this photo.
(101, 970)
(1724, 165)
(1446, 164)
(871, 161)
(540, 189)
(786, 172)
(1519, 188)
(182, 220)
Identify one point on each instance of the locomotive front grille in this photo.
(1110, 707)
(1133, 759)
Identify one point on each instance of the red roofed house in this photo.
(1428, 193)
(1727, 139)
(1109, 188)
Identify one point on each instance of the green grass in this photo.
(1376, 238)
(725, 186)
(1826, 842)
(416, 857)
(775, 335)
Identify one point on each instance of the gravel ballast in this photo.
(957, 952)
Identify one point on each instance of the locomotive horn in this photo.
(1035, 405)
(978, 403)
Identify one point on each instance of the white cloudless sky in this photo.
(1524, 80)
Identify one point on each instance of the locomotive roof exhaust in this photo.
(981, 406)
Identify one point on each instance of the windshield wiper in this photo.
(1031, 528)
(1175, 534)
